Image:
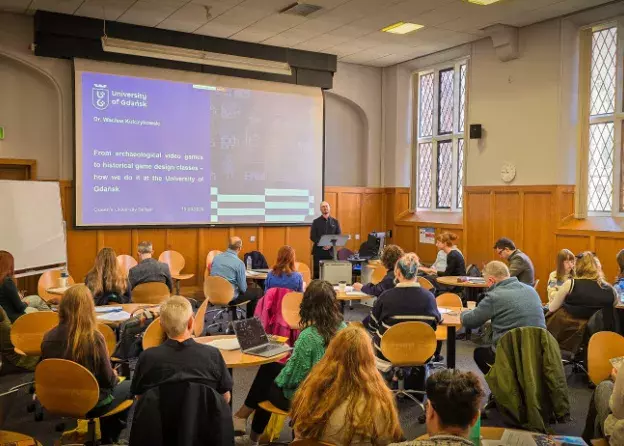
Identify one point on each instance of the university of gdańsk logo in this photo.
(99, 96)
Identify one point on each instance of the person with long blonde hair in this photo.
(283, 274)
(107, 280)
(344, 400)
(76, 338)
(578, 300)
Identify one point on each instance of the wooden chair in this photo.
(310, 443)
(209, 258)
(67, 389)
(109, 337)
(274, 410)
(379, 272)
(176, 263)
(291, 303)
(150, 293)
(219, 293)
(408, 344)
(50, 279)
(200, 316)
(603, 346)
(28, 330)
(424, 282)
(126, 262)
(449, 300)
(15, 438)
(154, 335)
(305, 272)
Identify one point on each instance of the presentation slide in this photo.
(160, 151)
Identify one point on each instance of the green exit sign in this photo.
(1, 133)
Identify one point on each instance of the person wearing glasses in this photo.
(520, 264)
(577, 300)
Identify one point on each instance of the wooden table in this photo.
(128, 308)
(60, 291)
(251, 275)
(491, 433)
(452, 281)
(17, 439)
(235, 359)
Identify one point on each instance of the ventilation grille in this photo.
(301, 9)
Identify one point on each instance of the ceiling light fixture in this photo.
(482, 2)
(402, 28)
(166, 52)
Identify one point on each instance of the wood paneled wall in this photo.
(360, 211)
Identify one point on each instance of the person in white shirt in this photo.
(564, 272)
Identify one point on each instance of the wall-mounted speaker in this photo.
(475, 131)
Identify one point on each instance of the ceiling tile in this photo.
(149, 13)
(322, 42)
(104, 9)
(266, 5)
(240, 16)
(62, 6)
(217, 30)
(276, 23)
(292, 37)
(186, 19)
(250, 35)
(19, 6)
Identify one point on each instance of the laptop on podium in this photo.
(254, 340)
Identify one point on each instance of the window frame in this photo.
(586, 120)
(438, 137)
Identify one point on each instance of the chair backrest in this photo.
(126, 262)
(424, 282)
(305, 271)
(50, 279)
(154, 335)
(65, 388)
(150, 293)
(602, 347)
(218, 290)
(449, 300)
(379, 272)
(409, 344)
(109, 337)
(291, 303)
(28, 330)
(209, 258)
(174, 259)
(198, 328)
(344, 254)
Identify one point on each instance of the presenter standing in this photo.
(323, 225)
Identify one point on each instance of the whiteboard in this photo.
(31, 225)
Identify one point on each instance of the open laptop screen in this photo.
(250, 333)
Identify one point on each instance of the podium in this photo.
(335, 271)
(335, 241)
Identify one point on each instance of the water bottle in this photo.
(62, 282)
(475, 433)
(248, 263)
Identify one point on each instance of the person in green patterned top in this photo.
(321, 315)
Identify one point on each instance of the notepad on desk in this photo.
(225, 344)
(356, 294)
(347, 289)
(107, 309)
(115, 316)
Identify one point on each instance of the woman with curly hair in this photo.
(344, 400)
(322, 318)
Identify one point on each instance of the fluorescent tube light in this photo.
(166, 52)
(402, 28)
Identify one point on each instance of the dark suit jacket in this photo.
(320, 227)
(150, 270)
(520, 266)
(385, 284)
(182, 414)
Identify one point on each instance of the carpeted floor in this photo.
(18, 420)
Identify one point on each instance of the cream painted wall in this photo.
(528, 106)
(362, 87)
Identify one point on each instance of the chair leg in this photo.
(91, 437)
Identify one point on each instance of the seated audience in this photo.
(180, 358)
(619, 280)
(107, 280)
(149, 269)
(11, 299)
(455, 263)
(321, 315)
(231, 268)
(563, 273)
(11, 362)
(520, 265)
(407, 298)
(344, 400)
(577, 300)
(390, 255)
(605, 417)
(509, 304)
(76, 338)
(452, 408)
(440, 262)
(283, 274)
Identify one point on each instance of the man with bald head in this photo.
(229, 266)
(323, 225)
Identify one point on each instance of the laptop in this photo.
(253, 339)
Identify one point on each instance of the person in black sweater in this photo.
(389, 257)
(323, 225)
(455, 263)
(406, 299)
(11, 300)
